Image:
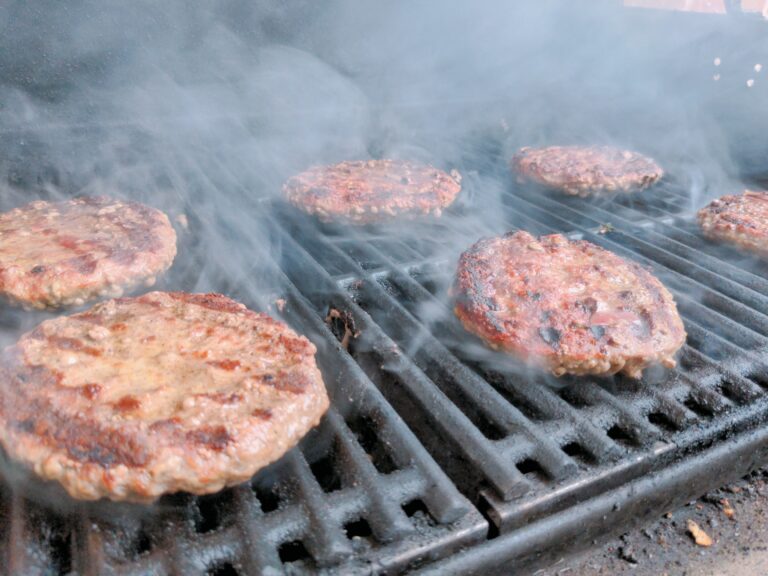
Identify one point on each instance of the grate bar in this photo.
(690, 247)
(259, 553)
(443, 500)
(88, 544)
(21, 556)
(325, 541)
(388, 522)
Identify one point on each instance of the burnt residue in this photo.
(551, 336)
(597, 331)
(342, 325)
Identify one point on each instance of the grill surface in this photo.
(522, 446)
(490, 450)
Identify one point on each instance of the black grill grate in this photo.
(359, 494)
(525, 448)
(366, 493)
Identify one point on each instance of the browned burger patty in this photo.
(370, 191)
(569, 306)
(586, 170)
(739, 219)
(54, 254)
(138, 397)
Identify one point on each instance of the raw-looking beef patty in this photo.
(62, 253)
(586, 170)
(371, 191)
(568, 306)
(739, 219)
(138, 397)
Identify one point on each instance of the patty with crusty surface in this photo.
(741, 220)
(568, 306)
(369, 191)
(165, 392)
(63, 253)
(586, 170)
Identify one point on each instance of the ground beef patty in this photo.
(137, 397)
(586, 170)
(569, 306)
(62, 253)
(370, 191)
(739, 219)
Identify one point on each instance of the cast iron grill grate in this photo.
(518, 445)
(359, 494)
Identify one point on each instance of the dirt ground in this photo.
(732, 520)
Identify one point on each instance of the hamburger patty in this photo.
(370, 191)
(138, 397)
(54, 254)
(569, 306)
(738, 219)
(586, 170)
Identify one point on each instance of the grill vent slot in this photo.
(225, 569)
(578, 452)
(293, 551)
(364, 430)
(663, 421)
(269, 499)
(531, 468)
(326, 473)
(618, 434)
(358, 529)
(696, 406)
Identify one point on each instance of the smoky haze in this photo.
(208, 108)
(205, 108)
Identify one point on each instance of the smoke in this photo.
(204, 109)
(259, 91)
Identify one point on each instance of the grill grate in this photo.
(359, 494)
(511, 440)
(424, 420)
